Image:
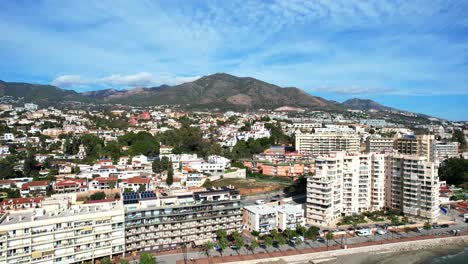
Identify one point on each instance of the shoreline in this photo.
(409, 256)
(409, 251)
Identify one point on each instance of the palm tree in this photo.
(427, 226)
(239, 242)
(268, 241)
(253, 246)
(207, 247)
(407, 230)
(147, 258)
(329, 237)
(223, 244)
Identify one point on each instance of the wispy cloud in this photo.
(141, 79)
(355, 90)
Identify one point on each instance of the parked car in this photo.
(436, 226)
(217, 248)
(259, 202)
(381, 232)
(363, 232)
(418, 229)
(321, 239)
(444, 226)
(234, 247)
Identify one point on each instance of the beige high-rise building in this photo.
(327, 142)
(420, 145)
(379, 144)
(344, 184)
(413, 186)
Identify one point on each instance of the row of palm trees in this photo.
(268, 240)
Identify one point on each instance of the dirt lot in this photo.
(250, 186)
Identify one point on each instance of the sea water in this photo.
(460, 257)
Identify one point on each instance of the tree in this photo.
(6, 170)
(97, 196)
(106, 260)
(454, 171)
(268, 241)
(239, 242)
(312, 232)
(459, 137)
(208, 183)
(407, 230)
(147, 258)
(142, 188)
(124, 261)
(301, 230)
(253, 245)
(221, 233)
(223, 243)
(170, 176)
(207, 247)
(427, 226)
(329, 237)
(30, 164)
(281, 240)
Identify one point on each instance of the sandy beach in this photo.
(385, 257)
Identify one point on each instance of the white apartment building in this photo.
(62, 233)
(326, 143)
(413, 186)
(260, 218)
(379, 144)
(445, 150)
(289, 216)
(345, 183)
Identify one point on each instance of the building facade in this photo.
(374, 144)
(162, 221)
(62, 234)
(326, 143)
(413, 186)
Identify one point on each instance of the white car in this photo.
(381, 231)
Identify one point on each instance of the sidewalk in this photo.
(218, 259)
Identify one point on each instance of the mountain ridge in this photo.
(219, 90)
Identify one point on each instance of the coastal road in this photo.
(170, 259)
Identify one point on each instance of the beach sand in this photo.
(385, 257)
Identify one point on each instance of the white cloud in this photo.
(67, 81)
(354, 90)
(141, 79)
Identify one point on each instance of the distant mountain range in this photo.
(219, 90)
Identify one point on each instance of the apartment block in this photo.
(260, 218)
(59, 233)
(160, 221)
(379, 144)
(343, 184)
(445, 150)
(413, 186)
(290, 216)
(326, 143)
(420, 145)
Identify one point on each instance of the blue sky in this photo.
(407, 54)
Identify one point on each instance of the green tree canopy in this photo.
(147, 258)
(454, 171)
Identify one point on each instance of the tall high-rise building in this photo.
(445, 150)
(347, 183)
(327, 142)
(413, 186)
(344, 184)
(420, 145)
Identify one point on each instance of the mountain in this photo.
(41, 94)
(219, 90)
(366, 104)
